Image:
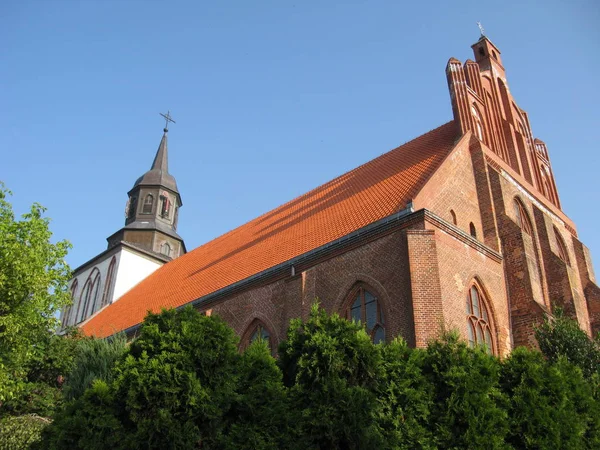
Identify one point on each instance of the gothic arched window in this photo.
(89, 295)
(522, 217)
(109, 281)
(453, 215)
(473, 230)
(73, 290)
(562, 248)
(257, 330)
(148, 202)
(165, 207)
(363, 306)
(478, 320)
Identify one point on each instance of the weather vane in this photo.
(168, 119)
(481, 30)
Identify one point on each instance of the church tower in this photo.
(152, 210)
(148, 240)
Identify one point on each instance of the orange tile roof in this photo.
(358, 198)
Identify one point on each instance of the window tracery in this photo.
(478, 320)
(365, 307)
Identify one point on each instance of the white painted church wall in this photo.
(129, 270)
(132, 268)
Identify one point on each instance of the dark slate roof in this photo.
(159, 175)
(151, 224)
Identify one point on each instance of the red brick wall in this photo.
(459, 266)
(452, 187)
(381, 264)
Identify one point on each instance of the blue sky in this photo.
(271, 99)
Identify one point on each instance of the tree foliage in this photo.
(33, 280)
(183, 384)
(468, 409)
(561, 336)
(331, 369)
(94, 360)
(550, 403)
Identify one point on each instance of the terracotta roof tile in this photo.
(362, 196)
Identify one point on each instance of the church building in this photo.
(461, 228)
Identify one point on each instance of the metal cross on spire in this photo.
(168, 119)
(481, 30)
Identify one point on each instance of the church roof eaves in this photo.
(371, 192)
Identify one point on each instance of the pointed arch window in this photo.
(522, 217)
(257, 330)
(453, 215)
(109, 281)
(73, 291)
(478, 320)
(89, 295)
(473, 230)
(148, 203)
(364, 306)
(562, 248)
(165, 207)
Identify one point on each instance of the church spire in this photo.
(161, 160)
(153, 207)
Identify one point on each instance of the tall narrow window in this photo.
(165, 249)
(522, 217)
(132, 207)
(83, 299)
(478, 321)
(89, 295)
(473, 230)
(109, 282)
(165, 208)
(148, 202)
(561, 247)
(453, 215)
(364, 307)
(73, 290)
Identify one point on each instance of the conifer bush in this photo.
(182, 383)
(469, 408)
(331, 369)
(406, 398)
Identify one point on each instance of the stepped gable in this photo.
(354, 200)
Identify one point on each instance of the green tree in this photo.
(33, 280)
(178, 380)
(258, 416)
(406, 396)
(469, 408)
(561, 336)
(94, 360)
(172, 389)
(332, 369)
(550, 403)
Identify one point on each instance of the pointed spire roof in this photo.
(161, 160)
(159, 175)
